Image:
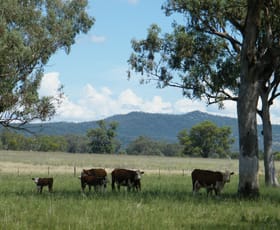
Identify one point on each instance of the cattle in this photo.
(95, 181)
(99, 172)
(41, 182)
(211, 180)
(126, 177)
(99, 177)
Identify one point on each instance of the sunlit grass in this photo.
(165, 202)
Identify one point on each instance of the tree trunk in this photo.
(269, 166)
(248, 140)
(247, 103)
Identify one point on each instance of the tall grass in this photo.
(165, 202)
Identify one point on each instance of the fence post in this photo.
(183, 172)
(74, 170)
(48, 170)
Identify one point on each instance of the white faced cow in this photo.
(128, 178)
(211, 180)
(41, 182)
(96, 177)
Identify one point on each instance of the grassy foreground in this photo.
(165, 202)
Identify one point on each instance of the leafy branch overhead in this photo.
(217, 51)
(31, 32)
(202, 53)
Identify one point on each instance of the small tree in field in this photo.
(207, 140)
(102, 139)
(31, 32)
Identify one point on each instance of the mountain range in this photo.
(163, 127)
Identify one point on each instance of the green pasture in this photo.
(165, 202)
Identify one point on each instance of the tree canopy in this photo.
(31, 32)
(206, 140)
(102, 139)
(221, 50)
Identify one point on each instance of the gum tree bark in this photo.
(247, 104)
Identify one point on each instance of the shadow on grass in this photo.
(154, 192)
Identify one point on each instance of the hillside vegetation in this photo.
(156, 126)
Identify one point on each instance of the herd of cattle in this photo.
(97, 177)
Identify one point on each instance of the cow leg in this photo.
(83, 186)
(50, 187)
(113, 185)
(40, 189)
(196, 187)
(209, 190)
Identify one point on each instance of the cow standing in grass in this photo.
(96, 177)
(42, 182)
(99, 183)
(211, 180)
(128, 178)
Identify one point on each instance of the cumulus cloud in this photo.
(98, 103)
(50, 84)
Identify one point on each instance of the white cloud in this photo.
(97, 39)
(98, 103)
(184, 106)
(50, 84)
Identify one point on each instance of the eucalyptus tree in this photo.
(31, 32)
(220, 50)
(103, 138)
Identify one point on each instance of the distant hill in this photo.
(157, 126)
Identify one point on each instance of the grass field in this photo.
(165, 202)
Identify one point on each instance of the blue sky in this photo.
(94, 73)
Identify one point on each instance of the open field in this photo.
(34, 162)
(165, 202)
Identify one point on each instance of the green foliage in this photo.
(13, 141)
(147, 146)
(200, 55)
(31, 32)
(77, 144)
(206, 140)
(102, 139)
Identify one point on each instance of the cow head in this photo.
(35, 180)
(226, 176)
(138, 174)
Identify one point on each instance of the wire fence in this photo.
(76, 171)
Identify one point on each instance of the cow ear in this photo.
(231, 173)
(142, 172)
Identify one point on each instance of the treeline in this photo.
(202, 140)
(10, 140)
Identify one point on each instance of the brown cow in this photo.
(99, 172)
(211, 180)
(96, 182)
(126, 177)
(41, 182)
(99, 178)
